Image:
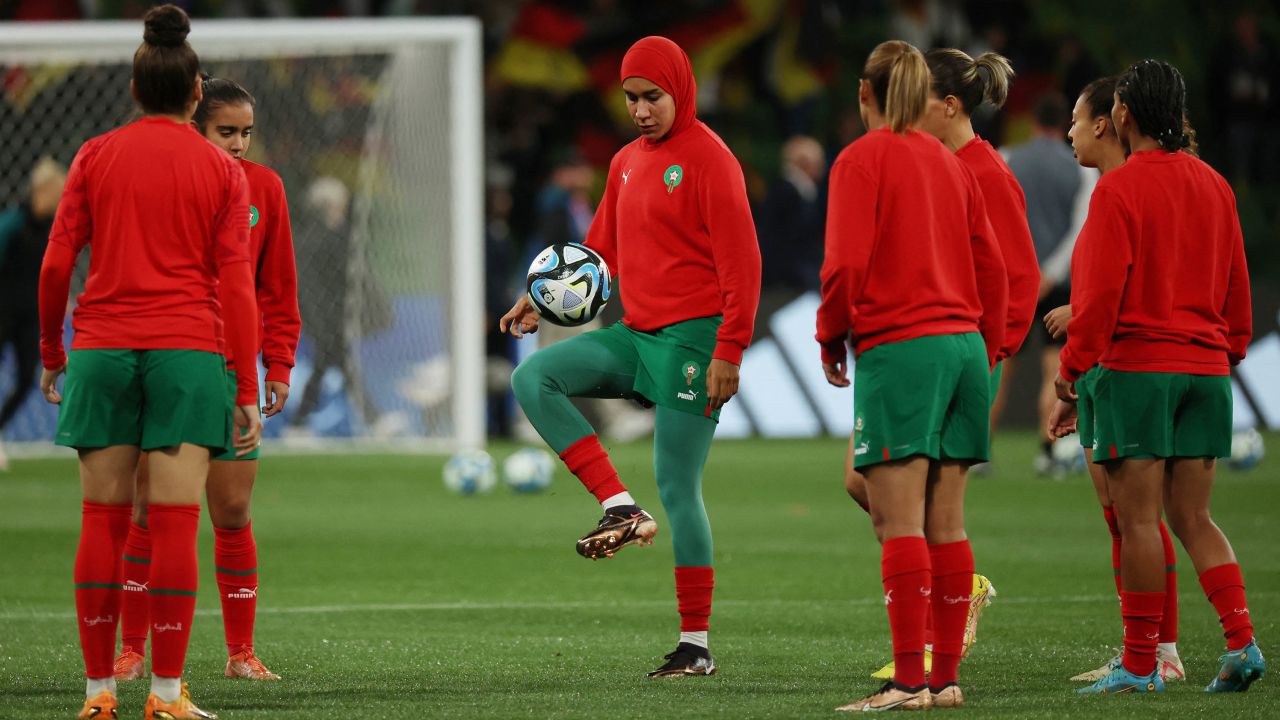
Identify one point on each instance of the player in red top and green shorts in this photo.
(167, 217)
(913, 273)
(1096, 145)
(225, 117)
(676, 230)
(1160, 301)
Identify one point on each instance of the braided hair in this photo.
(1156, 95)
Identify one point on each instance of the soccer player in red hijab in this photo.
(167, 217)
(1160, 301)
(676, 230)
(913, 274)
(225, 118)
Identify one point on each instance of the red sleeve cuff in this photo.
(54, 360)
(1067, 374)
(728, 351)
(277, 372)
(834, 351)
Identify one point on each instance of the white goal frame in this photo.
(116, 41)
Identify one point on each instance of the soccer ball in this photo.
(1247, 449)
(1068, 455)
(469, 472)
(568, 284)
(528, 470)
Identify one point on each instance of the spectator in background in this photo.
(24, 233)
(1245, 96)
(323, 245)
(792, 220)
(1051, 179)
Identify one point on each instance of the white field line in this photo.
(40, 614)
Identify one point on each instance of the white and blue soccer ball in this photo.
(528, 470)
(1247, 449)
(568, 284)
(470, 472)
(1068, 455)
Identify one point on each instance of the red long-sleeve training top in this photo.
(1158, 277)
(1007, 211)
(676, 229)
(275, 270)
(909, 249)
(167, 216)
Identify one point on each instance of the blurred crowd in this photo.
(777, 80)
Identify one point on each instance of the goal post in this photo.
(376, 128)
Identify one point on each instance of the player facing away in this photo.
(1160, 301)
(676, 229)
(225, 117)
(913, 274)
(958, 85)
(1096, 145)
(167, 217)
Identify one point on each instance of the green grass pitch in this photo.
(383, 596)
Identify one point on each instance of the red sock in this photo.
(588, 460)
(1169, 622)
(235, 559)
(98, 578)
(1114, 526)
(952, 587)
(1141, 612)
(173, 584)
(134, 610)
(928, 626)
(905, 570)
(693, 597)
(1224, 586)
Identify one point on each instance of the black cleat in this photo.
(621, 526)
(688, 660)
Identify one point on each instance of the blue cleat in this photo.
(1239, 669)
(1120, 680)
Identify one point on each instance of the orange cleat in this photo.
(100, 707)
(130, 665)
(245, 664)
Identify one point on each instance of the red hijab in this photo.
(664, 64)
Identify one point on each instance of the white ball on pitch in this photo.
(1068, 453)
(528, 470)
(469, 472)
(1247, 449)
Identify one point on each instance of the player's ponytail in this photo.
(165, 65)
(953, 73)
(899, 80)
(1156, 96)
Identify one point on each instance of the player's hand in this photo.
(522, 318)
(247, 429)
(277, 396)
(1065, 389)
(1055, 321)
(1062, 420)
(837, 372)
(49, 384)
(722, 383)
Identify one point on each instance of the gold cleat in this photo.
(891, 697)
(181, 709)
(948, 697)
(983, 591)
(99, 707)
(620, 527)
(245, 664)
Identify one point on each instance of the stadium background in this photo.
(768, 70)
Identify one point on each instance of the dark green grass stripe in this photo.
(191, 593)
(98, 586)
(144, 561)
(241, 573)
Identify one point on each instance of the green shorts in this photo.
(1160, 415)
(230, 453)
(147, 398)
(926, 396)
(1084, 407)
(670, 363)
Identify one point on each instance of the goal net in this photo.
(376, 129)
